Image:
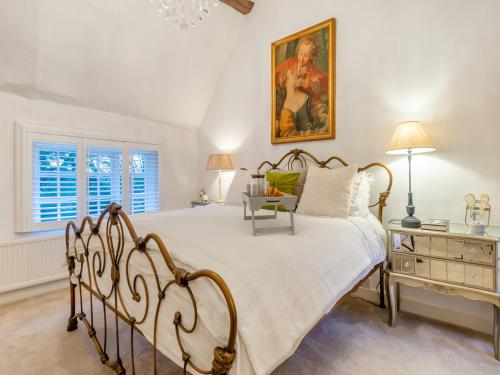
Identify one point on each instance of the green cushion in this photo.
(284, 182)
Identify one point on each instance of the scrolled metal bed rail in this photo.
(112, 245)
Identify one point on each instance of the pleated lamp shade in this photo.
(410, 135)
(219, 162)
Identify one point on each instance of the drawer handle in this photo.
(419, 260)
(472, 275)
(407, 264)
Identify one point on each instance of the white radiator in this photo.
(33, 261)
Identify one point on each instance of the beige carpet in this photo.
(353, 340)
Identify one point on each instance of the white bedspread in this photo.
(282, 284)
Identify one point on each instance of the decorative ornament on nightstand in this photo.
(219, 163)
(410, 138)
(477, 213)
(203, 196)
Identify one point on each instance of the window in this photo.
(104, 179)
(144, 184)
(64, 174)
(54, 189)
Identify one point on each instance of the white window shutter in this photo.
(104, 178)
(54, 182)
(144, 184)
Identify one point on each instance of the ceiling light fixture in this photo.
(186, 13)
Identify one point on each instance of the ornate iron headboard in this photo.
(302, 157)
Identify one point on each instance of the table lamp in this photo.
(219, 163)
(410, 138)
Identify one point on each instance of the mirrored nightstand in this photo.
(453, 263)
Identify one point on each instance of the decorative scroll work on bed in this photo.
(112, 260)
(303, 157)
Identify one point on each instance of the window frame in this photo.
(28, 133)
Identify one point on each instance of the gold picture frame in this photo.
(303, 85)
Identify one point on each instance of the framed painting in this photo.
(303, 85)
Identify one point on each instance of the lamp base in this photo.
(410, 222)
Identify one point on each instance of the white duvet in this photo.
(281, 284)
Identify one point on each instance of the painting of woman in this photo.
(303, 85)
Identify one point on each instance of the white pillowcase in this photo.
(238, 186)
(327, 192)
(360, 199)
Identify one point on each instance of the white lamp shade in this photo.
(410, 135)
(219, 162)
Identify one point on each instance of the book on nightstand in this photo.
(439, 225)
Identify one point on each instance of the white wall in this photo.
(435, 61)
(179, 148)
(115, 56)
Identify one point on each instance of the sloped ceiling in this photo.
(114, 55)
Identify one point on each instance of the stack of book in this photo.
(436, 224)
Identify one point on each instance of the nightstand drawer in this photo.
(403, 263)
(471, 275)
(419, 266)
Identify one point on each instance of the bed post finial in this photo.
(114, 208)
(223, 361)
(382, 203)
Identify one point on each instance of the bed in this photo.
(268, 293)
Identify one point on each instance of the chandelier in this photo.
(186, 13)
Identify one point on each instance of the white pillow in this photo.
(360, 199)
(327, 192)
(238, 186)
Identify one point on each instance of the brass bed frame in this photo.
(109, 232)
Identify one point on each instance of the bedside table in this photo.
(453, 263)
(199, 203)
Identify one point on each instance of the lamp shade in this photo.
(410, 135)
(219, 162)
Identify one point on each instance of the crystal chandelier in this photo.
(186, 13)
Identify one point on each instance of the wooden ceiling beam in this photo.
(242, 6)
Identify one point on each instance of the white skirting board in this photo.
(33, 290)
(32, 265)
